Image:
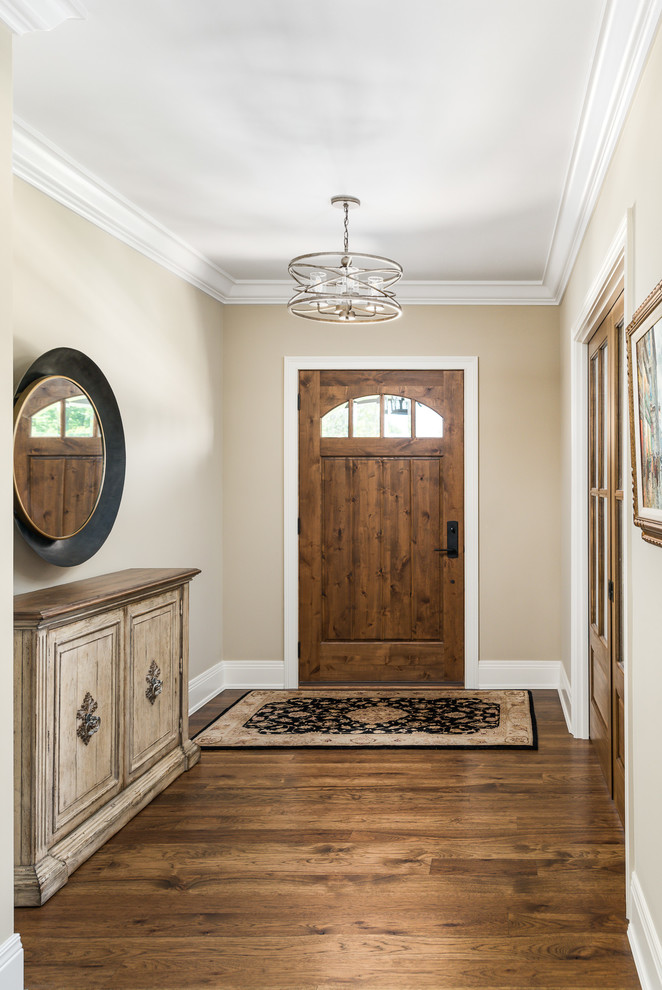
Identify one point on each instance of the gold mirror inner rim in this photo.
(21, 491)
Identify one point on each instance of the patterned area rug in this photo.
(442, 718)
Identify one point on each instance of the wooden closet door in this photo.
(606, 507)
(381, 601)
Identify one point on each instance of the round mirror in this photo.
(69, 457)
(59, 457)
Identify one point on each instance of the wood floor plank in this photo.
(384, 961)
(321, 870)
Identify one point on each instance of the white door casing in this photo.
(292, 366)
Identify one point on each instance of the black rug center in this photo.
(404, 716)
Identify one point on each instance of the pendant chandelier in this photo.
(344, 288)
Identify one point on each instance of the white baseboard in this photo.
(11, 963)
(204, 687)
(270, 674)
(253, 674)
(565, 697)
(249, 674)
(644, 940)
(519, 674)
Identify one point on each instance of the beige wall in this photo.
(158, 341)
(6, 618)
(518, 463)
(634, 180)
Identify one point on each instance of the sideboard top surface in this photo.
(50, 603)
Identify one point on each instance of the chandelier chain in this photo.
(346, 205)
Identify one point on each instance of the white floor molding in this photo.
(254, 674)
(565, 697)
(11, 963)
(644, 940)
(535, 674)
(204, 687)
(249, 674)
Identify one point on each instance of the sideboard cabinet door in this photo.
(85, 691)
(100, 714)
(153, 681)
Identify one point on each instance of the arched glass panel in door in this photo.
(390, 416)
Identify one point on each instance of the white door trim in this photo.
(292, 367)
(594, 309)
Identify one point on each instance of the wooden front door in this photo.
(606, 507)
(381, 494)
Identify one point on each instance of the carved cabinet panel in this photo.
(85, 671)
(101, 715)
(153, 681)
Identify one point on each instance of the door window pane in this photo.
(46, 422)
(366, 416)
(604, 416)
(79, 417)
(336, 422)
(397, 416)
(428, 422)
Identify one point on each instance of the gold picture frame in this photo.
(644, 354)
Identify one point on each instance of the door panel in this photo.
(153, 702)
(84, 662)
(605, 533)
(396, 549)
(379, 601)
(426, 516)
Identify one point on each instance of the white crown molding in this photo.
(623, 45)
(412, 293)
(50, 170)
(620, 56)
(47, 168)
(23, 16)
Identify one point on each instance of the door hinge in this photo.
(299, 650)
(181, 725)
(299, 526)
(610, 591)
(181, 665)
(181, 607)
(299, 401)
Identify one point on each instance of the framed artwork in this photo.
(644, 347)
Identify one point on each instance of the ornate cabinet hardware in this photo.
(154, 682)
(89, 722)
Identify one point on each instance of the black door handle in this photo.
(451, 540)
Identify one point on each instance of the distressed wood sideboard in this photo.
(100, 714)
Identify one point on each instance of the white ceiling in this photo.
(475, 132)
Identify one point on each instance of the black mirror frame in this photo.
(68, 363)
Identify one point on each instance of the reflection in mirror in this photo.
(366, 416)
(335, 423)
(59, 457)
(397, 416)
(428, 422)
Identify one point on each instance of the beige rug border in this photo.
(517, 728)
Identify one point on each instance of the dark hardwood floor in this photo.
(321, 870)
